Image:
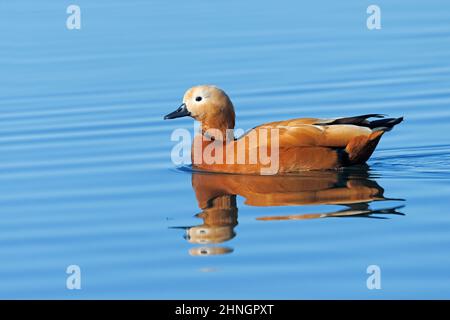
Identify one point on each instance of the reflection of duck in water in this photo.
(216, 196)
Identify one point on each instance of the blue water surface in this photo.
(86, 176)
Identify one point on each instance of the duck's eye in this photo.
(198, 99)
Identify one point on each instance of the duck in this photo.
(299, 144)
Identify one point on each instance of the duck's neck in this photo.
(218, 129)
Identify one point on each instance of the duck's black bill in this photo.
(182, 111)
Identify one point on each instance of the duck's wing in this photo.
(357, 120)
(336, 133)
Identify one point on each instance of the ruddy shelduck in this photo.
(302, 144)
(216, 195)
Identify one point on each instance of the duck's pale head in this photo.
(207, 104)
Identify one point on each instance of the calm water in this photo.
(85, 169)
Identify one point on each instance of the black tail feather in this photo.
(386, 123)
(358, 120)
